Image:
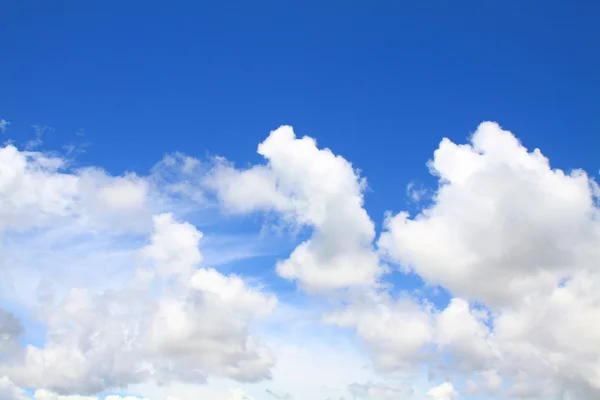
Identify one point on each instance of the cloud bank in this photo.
(106, 288)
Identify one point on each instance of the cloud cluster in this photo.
(171, 319)
(515, 243)
(152, 328)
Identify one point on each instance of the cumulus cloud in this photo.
(309, 187)
(36, 190)
(192, 329)
(396, 331)
(507, 231)
(501, 217)
(171, 319)
(9, 391)
(514, 242)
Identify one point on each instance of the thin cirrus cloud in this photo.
(111, 267)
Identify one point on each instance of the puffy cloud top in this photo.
(311, 187)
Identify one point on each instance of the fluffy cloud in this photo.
(9, 391)
(310, 187)
(445, 391)
(515, 243)
(507, 231)
(153, 326)
(36, 190)
(171, 320)
(396, 331)
(501, 217)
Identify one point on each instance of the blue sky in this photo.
(379, 84)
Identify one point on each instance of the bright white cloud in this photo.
(173, 247)
(445, 391)
(148, 327)
(37, 191)
(195, 328)
(501, 217)
(509, 232)
(396, 331)
(310, 187)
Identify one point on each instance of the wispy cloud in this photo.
(3, 125)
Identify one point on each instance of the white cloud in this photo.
(445, 391)
(501, 217)
(196, 328)
(36, 191)
(396, 331)
(310, 187)
(9, 391)
(462, 332)
(414, 193)
(173, 247)
(143, 309)
(507, 231)
(126, 301)
(3, 125)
